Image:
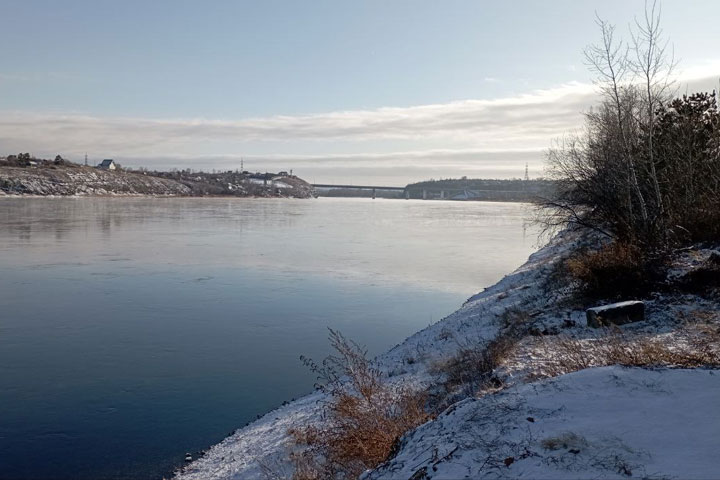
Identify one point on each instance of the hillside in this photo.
(609, 422)
(63, 178)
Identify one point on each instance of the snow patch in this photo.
(609, 422)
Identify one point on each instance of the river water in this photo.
(133, 330)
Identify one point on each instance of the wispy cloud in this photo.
(396, 168)
(490, 122)
(462, 136)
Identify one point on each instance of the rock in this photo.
(616, 314)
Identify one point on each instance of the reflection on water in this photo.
(134, 330)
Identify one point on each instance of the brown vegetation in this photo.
(564, 441)
(615, 270)
(472, 367)
(363, 418)
(694, 345)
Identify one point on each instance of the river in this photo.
(133, 330)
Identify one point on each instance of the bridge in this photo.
(358, 187)
(429, 193)
(374, 188)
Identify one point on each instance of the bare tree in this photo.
(653, 66)
(610, 62)
(644, 170)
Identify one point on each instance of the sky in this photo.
(363, 92)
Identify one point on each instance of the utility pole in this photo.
(86, 159)
(242, 168)
(527, 176)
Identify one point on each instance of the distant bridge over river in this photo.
(358, 187)
(372, 188)
(439, 193)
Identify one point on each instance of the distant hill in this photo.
(514, 190)
(31, 176)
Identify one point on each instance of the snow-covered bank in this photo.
(48, 179)
(264, 446)
(609, 422)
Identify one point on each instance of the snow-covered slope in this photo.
(264, 444)
(597, 423)
(80, 180)
(609, 422)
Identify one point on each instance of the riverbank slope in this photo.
(519, 420)
(65, 179)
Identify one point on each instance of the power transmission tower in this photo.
(527, 175)
(86, 160)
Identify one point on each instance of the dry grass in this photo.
(616, 270)
(307, 465)
(472, 367)
(567, 440)
(364, 418)
(691, 346)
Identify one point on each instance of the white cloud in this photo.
(395, 168)
(460, 137)
(494, 123)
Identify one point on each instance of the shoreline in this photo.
(141, 195)
(70, 180)
(265, 442)
(265, 445)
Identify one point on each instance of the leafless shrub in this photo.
(363, 419)
(618, 269)
(564, 441)
(472, 367)
(514, 320)
(307, 466)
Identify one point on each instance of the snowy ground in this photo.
(609, 422)
(606, 421)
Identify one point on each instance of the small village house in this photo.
(107, 164)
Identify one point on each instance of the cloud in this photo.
(460, 158)
(464, 136)
(395, 168)
(492, 123)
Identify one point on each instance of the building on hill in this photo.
(107, 164)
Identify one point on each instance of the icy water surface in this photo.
(133, 330)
